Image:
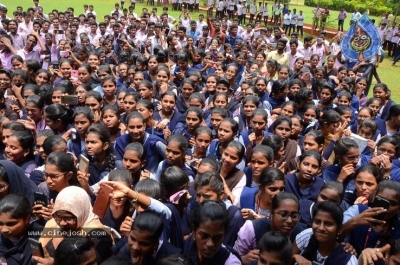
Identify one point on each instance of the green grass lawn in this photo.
(386, 72)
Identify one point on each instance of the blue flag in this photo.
(362, 41)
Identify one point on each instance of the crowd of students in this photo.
(222, 145)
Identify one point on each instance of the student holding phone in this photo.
(99, 150)
(72, 212)
(374, 227)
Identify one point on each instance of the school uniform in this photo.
(224, 256)
(154, 145)
(311, 193)
(253, 230)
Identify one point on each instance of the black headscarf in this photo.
(18, 182)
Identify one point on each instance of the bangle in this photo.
(134, 201)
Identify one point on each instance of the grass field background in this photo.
(388, 74)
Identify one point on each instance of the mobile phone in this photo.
(102, 201)
(55, 65)
(119, 41)
(58, 31)
(64, 54)
(319, 40)
(36, 248)
(74, 73)
(274, 44)
(69, 100)
(380, 202)
(41, 198)
(83, 164)
(142, 49)
(166, 31)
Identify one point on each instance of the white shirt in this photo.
(300, 20)
(302, 241)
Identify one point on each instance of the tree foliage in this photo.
(376, 7)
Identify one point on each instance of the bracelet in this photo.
(134, 201)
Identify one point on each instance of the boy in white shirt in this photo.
(253, 11)
(286, 21)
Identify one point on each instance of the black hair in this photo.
(233, 123)
(17, 206)
(181, 140)
(51, 142)
(329, 117)
(57, 111)
(265, 150)
(172, 180)
(394, 111)
(336, 213)
(36, 100)
(138, 149)
(151, 223)
(211, 179)
(104, 135)
(311, 153)
(277, 87)
(373, 170)
(212, 162)
(120, 174)
(342, 146)
(317, 135)
(15, 126)
(278, 243)
(150, 188)
(64, 163)
(239, 148)
(281, 196)
(389, 184)
(26, 140)
(175, 259)
(275, 142)
(269, 176)
(334, 185)
(210, 211)
(390, 140)
(71, 250)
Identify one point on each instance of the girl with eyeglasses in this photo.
(283, 217)
(256, 202)
(304, 183)
(73, 213)
(59, 172)
(319, 244)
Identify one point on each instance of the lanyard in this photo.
(367, 238)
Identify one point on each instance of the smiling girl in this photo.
(318, 243)
(19, 149)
